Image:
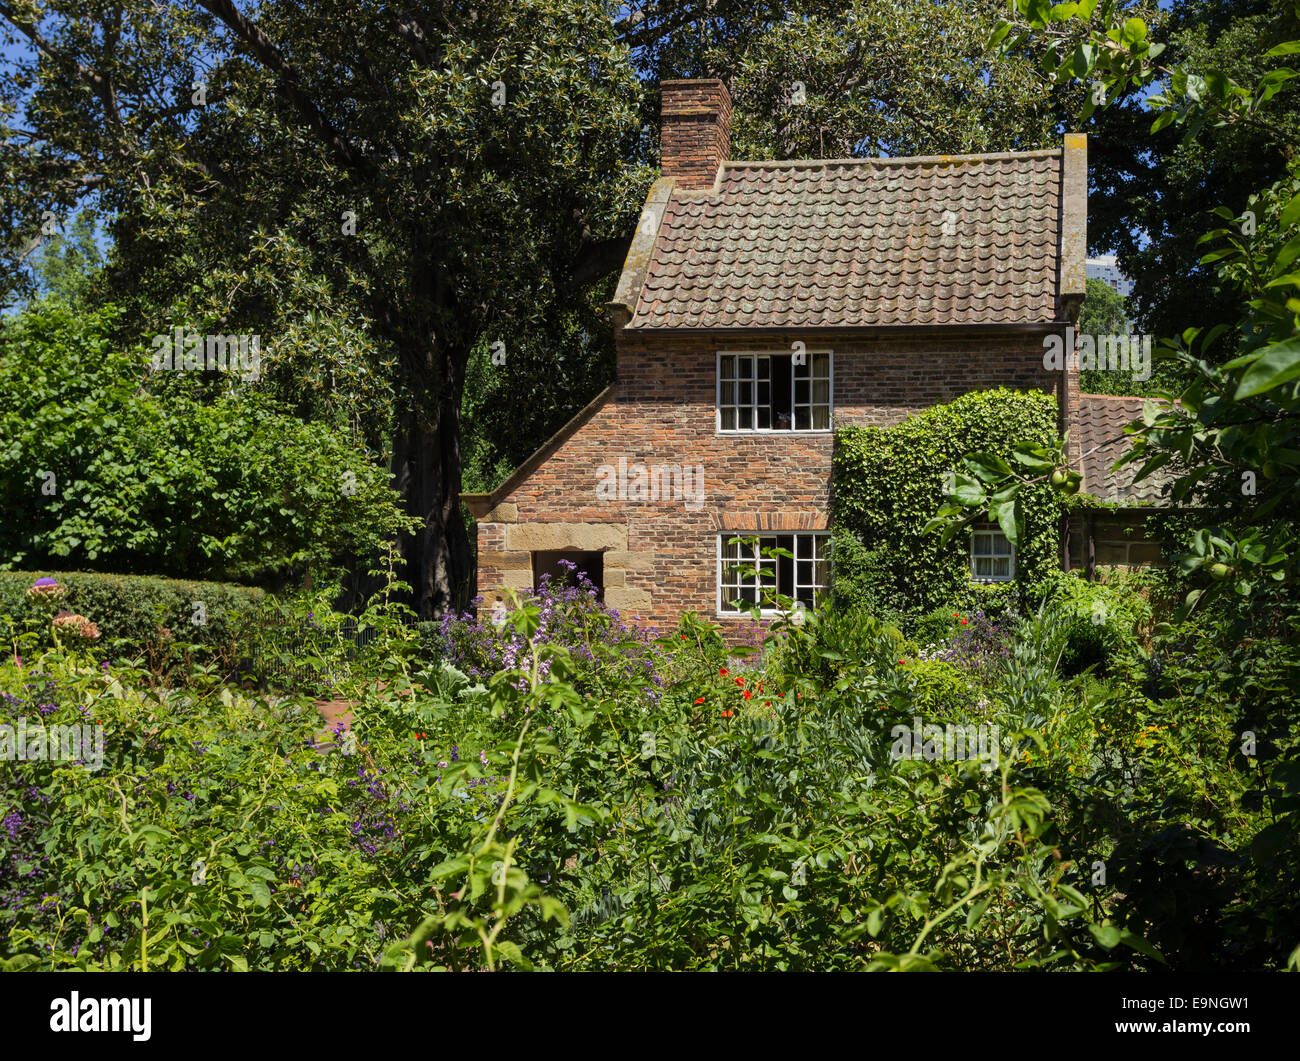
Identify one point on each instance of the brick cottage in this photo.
(762, 305)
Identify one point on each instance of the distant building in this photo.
(1107, 271)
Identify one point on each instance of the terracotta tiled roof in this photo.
(960, 239)
(1102, 418)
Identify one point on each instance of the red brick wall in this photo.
(662, 411)
(695, 131)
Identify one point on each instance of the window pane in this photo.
(745, 415)
(821, 417)
(822, 391)
(728, 367)
(802, 419)
(821, 365)
(728, 392)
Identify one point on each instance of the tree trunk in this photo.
(426, 472)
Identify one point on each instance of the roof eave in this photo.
(1001, 327)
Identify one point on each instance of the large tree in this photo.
(1153, 192)
(380, 190)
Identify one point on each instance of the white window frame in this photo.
(762, 562)
(991, 532)
(768, 353)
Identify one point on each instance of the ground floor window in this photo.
(992, 556)
(556, 565)
(747, 576)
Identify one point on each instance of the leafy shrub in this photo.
(1105, 619)
(944, 691)
(136, 613)
(228, 486)
(228, 825)
(861, 578)
(888, 483)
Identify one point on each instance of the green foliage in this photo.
(132, 611)
(67, 265)
(741, 817)
(906, 78)
(888, 482)
(1157, 200)
(1105, 312)
(215, 836)
(97, 472)
(1199, 791)
(1105, 619)
(943, 691)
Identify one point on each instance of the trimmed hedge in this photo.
(888, 482)
(133, 608)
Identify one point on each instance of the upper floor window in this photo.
(774, 392)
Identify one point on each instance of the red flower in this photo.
(901, 662)
(724, 672)
(419, 736)
(726, 714)
(767, 703)
(740, 681)
(963, 622)
(955, 615)
(700, 700)
(760, 687)
(748, 695)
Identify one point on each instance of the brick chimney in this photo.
(696, 131)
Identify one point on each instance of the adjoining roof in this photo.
(939, 240)
(1102, 418)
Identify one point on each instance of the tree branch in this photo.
(265, 51)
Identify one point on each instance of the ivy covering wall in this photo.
(887, 484)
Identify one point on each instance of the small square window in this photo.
(992, 556)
